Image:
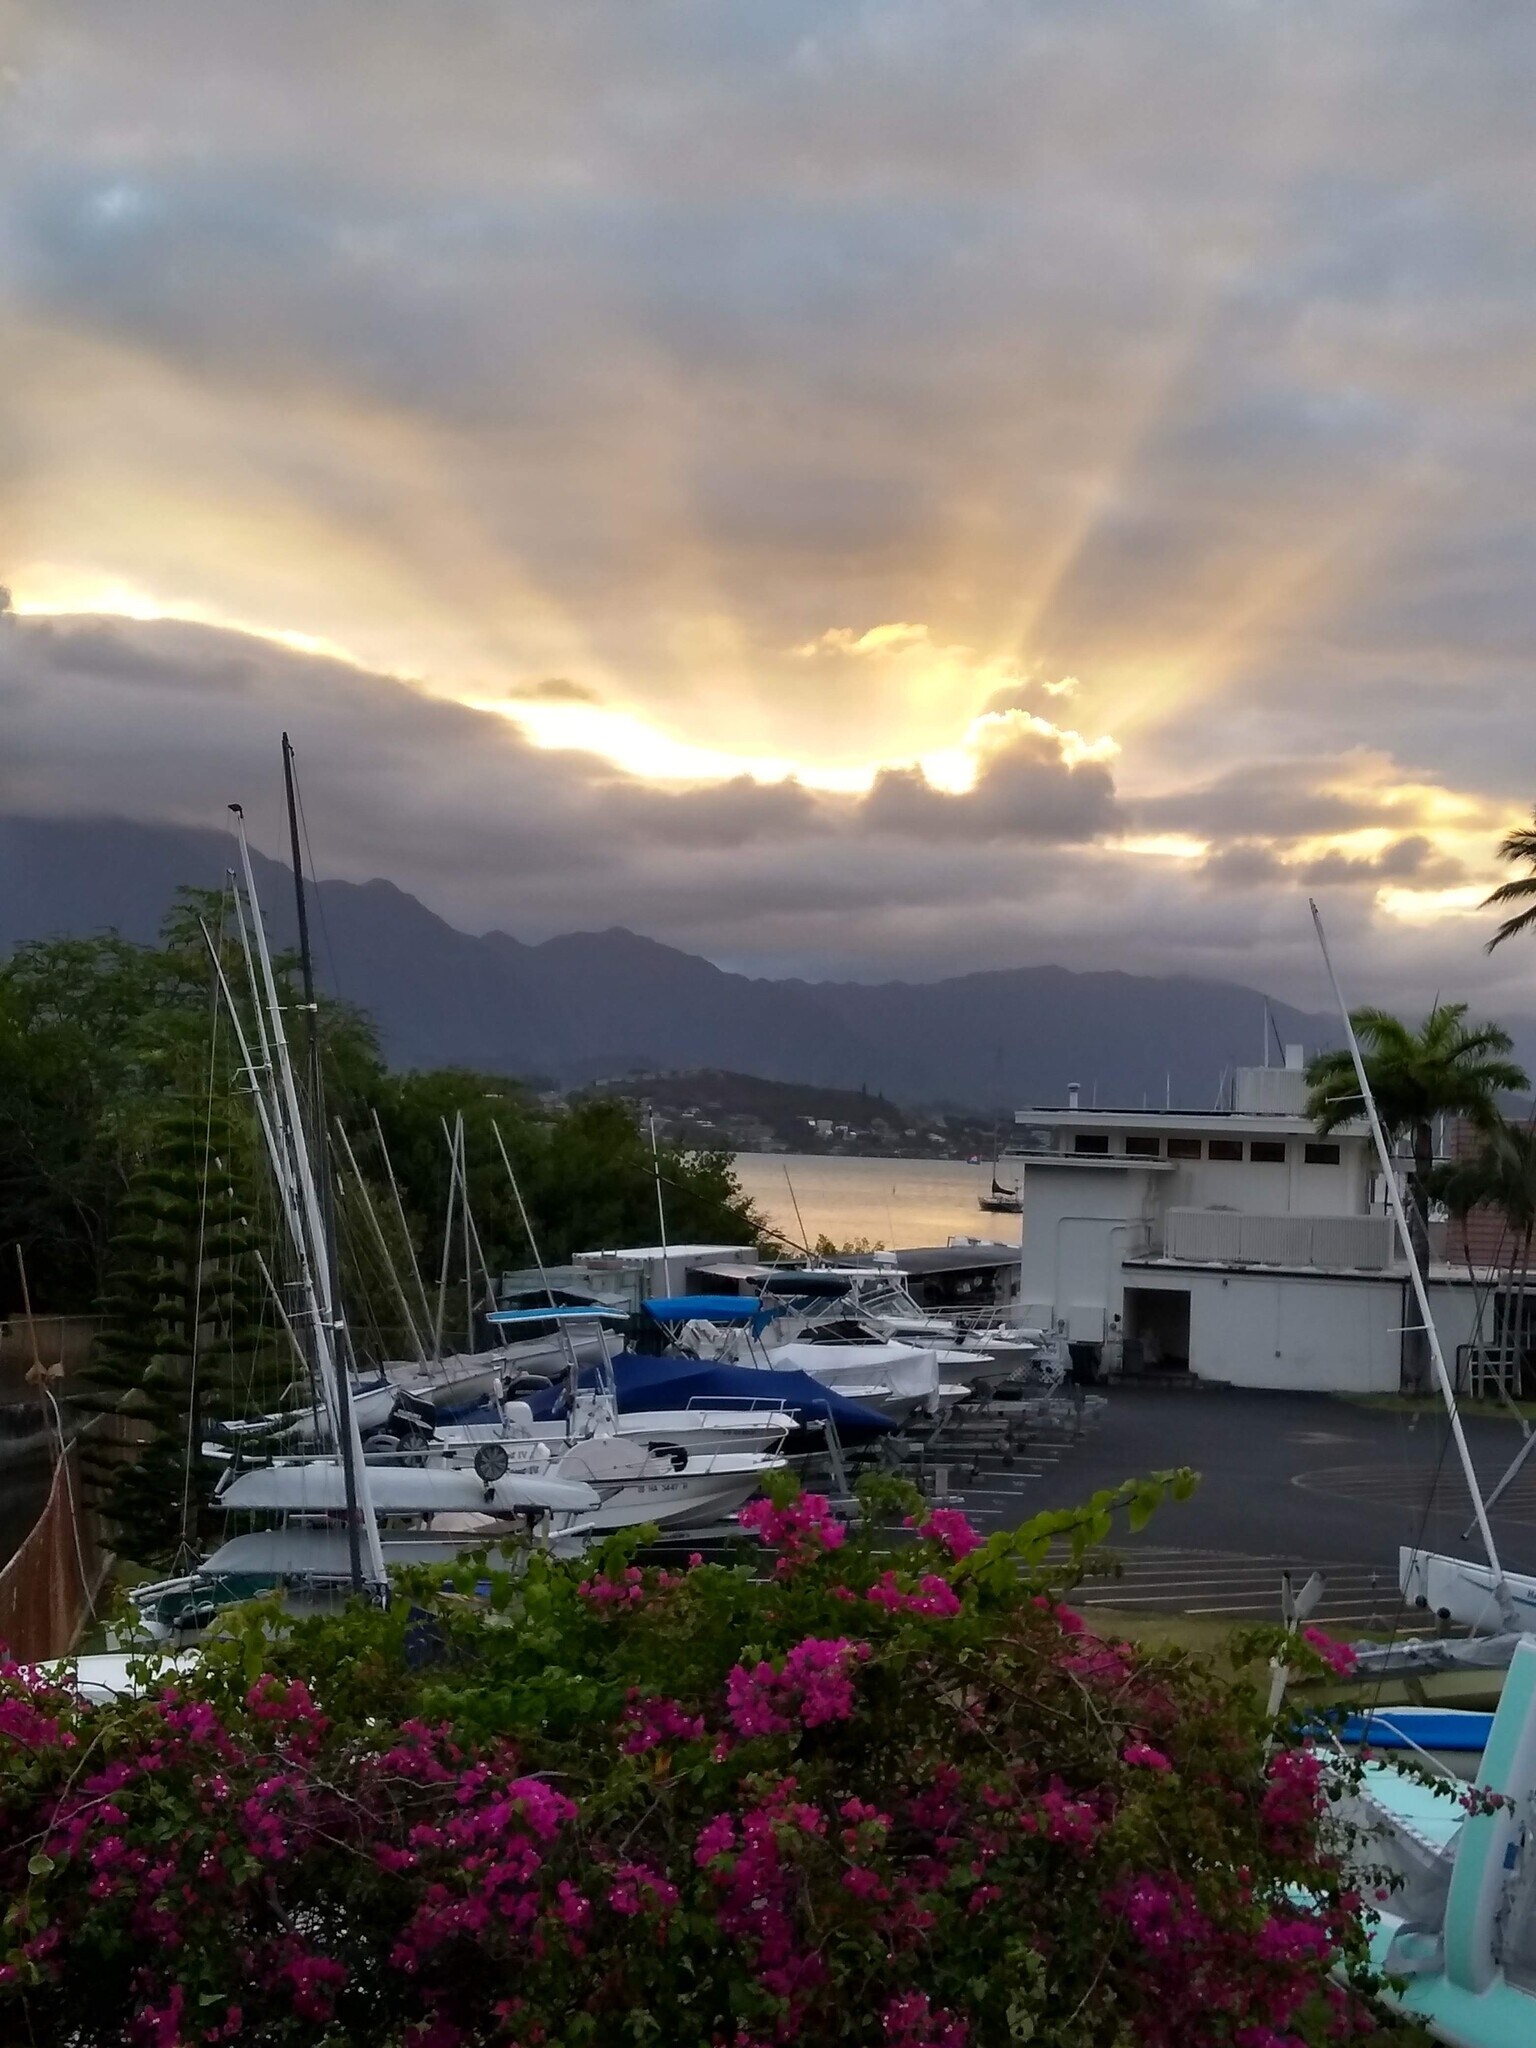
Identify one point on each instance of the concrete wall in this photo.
(1079, 1223)
(1294, 1189)
(1309, 1334)
(1265, 1330)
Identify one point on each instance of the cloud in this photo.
(554, 690)
(1026, 788)
(896, 637)
(815, 385)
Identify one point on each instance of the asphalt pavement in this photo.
(1287, 1481)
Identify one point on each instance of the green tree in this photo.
(189, 1335)
(75, 1075)
(1516, 847)
(585, 1172)
(1501, 1175)
(1446, 1067)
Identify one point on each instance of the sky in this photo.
(893, 487)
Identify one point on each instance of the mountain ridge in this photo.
(588, 1005)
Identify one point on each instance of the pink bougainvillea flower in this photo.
(949, 1528)
(1145, 1757)
(1339, 1657)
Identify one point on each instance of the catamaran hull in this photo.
(1465, 1592)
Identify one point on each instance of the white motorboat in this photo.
(983, 1350)
(698, 1429)
(895, 1379)
(665, 1483)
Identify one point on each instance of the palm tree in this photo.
(1446, 1067)
(1501, 1174)
(1519, 845)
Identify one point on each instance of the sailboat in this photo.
(330, 1539)
(451, 1379)
(1001, 1199)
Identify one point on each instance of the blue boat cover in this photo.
(1432, 1728)
(729, 1309)
(690, 1382)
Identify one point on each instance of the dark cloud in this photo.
(1025, 789)
(1251, 864)
(1291, 799)
(733, 813)
(554, 690)
(1410, 859)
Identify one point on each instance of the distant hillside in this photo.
(745, 1113)
(728, 1094)
(602, 1004)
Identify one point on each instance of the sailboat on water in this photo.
(1001, 1199)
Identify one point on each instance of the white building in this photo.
(1234, 1243)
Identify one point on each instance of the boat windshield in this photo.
(887, 1299)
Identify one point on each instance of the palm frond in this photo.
(1511, 928)
(1520, 844)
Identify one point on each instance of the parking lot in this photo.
(1288, 1481)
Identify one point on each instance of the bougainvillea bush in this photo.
(865, 1787)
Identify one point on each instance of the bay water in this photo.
(888, 1202)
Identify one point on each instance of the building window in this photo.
(1092, 1141)
(1143, 1145)
(1322, 1155)
(1267, 1152)
(1183, 1148)
(1226, 1148)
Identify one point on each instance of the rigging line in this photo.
(1490, 1289)
(184, 1540)
(1418, 1546)
(1420, 1290)
(405, 1228)
(61, 1466)
(805, 1242)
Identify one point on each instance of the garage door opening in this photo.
(1156, 1329)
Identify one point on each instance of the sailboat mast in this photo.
(442, 1276)
(320, 1154)
(268, 1116)
(1420, 1291)
(661, 1207)
(469, 1279)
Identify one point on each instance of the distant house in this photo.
(1233, 1244)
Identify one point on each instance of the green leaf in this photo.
(39, 1864)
